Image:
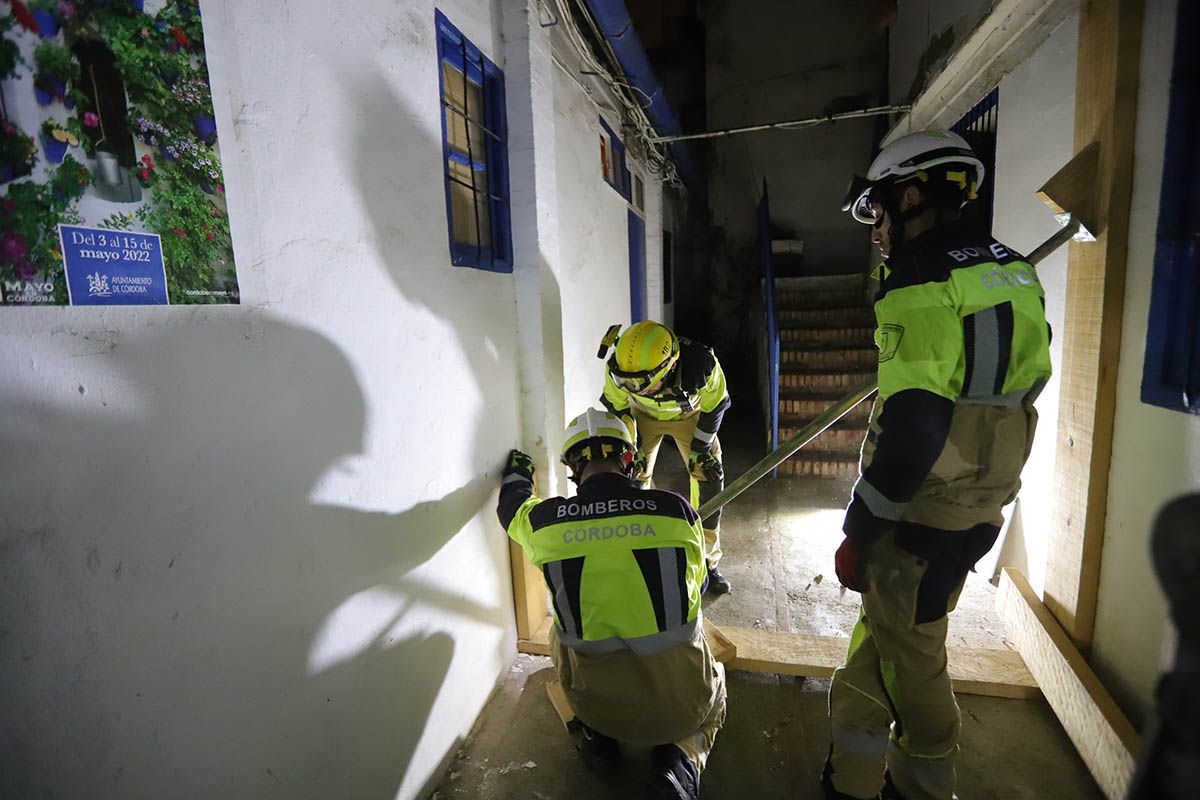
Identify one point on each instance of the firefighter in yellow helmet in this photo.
(963, 352)
(624, 567)
(666, 386)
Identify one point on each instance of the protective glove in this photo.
(851, 566)
(638, 466)
(521, 464)
(705, 466)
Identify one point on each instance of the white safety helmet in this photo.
(596, 434)
(911, 157)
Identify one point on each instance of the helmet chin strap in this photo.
(899, 218)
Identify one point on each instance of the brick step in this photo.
(828, 337)
(854, 315)
(792, 300)
(847, 282)
(842, 441)
(794, 377)
(803, 411)
(850, 358)
(816, 464)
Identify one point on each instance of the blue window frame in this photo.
(1171, 371)
(474, 152)
(612, 160)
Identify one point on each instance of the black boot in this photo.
(832, 793)
(716, 584)
(601, 754)
(672, 774)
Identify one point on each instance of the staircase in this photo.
(825, 350)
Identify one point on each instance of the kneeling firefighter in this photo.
(623, 566)
(963, 352)
(664, 386)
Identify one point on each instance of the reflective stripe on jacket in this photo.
(623, 565)
(960, 324)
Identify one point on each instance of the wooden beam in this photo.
(538, 643)
(1110, 33)
(529, 593)
(723, 649)
(996, 673)
(558, 699)
(1072, 190)
(1105, 739)
(1007, 36)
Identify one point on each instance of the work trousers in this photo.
(673, 697)
(650, 433)
(891, 704)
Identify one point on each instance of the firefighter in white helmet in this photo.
(624, 566)
(963, 352)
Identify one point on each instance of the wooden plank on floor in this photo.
(1110, 38)
(539, 643)
(1105, 739)
(558, 699)
(722, 648)
(991, 672)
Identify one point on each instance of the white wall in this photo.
(926, 33)
(1156, 452)
(251, 551)
(1037, 106)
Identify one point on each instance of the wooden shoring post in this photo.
(529, 593)
(1110, 33)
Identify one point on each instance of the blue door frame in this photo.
(637, 267)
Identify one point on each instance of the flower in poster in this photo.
(65, 9)
(181, 37)
(12, 247)
(24, 16)
(91, 120)
(26, 270)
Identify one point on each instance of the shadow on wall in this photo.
(387, 168)
(163, 573)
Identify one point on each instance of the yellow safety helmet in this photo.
(645, 354)
(596, 434)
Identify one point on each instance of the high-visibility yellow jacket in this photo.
(964, 348)
(623, 565)
(696, 384)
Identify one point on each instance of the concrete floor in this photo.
(779, 539)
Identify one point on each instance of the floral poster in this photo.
(110, 163)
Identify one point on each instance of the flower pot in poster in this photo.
(55, 150)
(206, 187)
(138, 5)
(206, 127)
(48, 88)
(6, 173)
(162, 151)
(47, 23)
(108, 169)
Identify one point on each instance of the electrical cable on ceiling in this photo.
(644, 136)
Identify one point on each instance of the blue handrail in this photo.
(772, 315)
